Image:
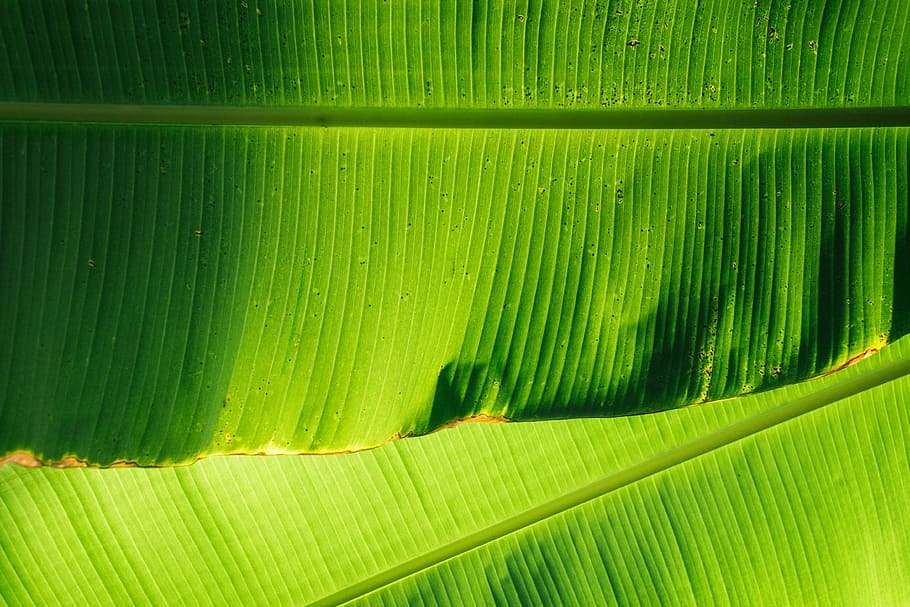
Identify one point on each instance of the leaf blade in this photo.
(339, 519)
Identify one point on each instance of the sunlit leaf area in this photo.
(309, 302)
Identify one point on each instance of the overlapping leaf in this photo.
(182, 290)
(809, 510)
(177, 283)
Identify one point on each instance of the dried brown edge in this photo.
(482, 418)
(27, 459)
(853, 361)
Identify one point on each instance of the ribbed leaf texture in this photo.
(742, 502)
(311, 227)
(181, 283)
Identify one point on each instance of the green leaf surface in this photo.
(766, 498)
(519, 210)
(292, 289)
(490, 54)
(181, 285)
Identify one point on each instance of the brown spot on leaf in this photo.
(21, 458)
(28, 460)
(853, 361)
(482, 418)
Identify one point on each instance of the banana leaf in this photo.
(791, 496)
(278, 228)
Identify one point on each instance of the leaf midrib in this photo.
(612, 482)
(505, 118)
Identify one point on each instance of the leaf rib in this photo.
(735, 432)
(663, 119)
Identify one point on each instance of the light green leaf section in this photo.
(810, 509)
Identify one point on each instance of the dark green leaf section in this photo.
(119, 334)
(176, 291)
(424, 53)
(182, 291)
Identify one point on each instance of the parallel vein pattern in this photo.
(173, 291)
(423, 53)
(204, 290)
(811, 509)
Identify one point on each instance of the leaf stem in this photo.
(456, 118)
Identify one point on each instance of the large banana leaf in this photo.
(519, 210)
(741, 502)
(181, 290)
